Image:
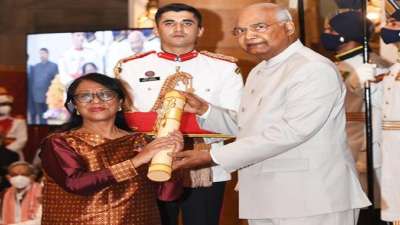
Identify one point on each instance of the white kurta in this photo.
(216, 81)
(390, 185)
(291, 149)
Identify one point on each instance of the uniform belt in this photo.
(355, 117)
(391, 125)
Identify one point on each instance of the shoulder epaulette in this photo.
(220, 56)
(137, 56)
(118, 67)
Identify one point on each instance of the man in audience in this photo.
(20, 204)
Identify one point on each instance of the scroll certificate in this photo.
(168, 120)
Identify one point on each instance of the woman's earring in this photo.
(77, 113)
(120, 108)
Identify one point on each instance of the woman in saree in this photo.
(95, 167)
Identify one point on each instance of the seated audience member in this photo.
(6, 158)
(20, 203)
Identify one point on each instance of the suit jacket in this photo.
(40, 79)
(291, 149)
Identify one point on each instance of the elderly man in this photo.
(20, 204)
(291, 150)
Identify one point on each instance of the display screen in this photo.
(54, 60)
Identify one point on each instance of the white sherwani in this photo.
(291, 149)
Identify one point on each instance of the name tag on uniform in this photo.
(149, 76)
(146, 79)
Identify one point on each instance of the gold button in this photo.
(149, 89)
(388, 88)
(387, 103)
(252, 91)
(243, 109)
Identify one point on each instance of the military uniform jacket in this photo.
(216, 79)
(390, 184)
(291, 148)
(354, 103)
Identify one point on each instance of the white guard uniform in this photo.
(70, 64)
(390, 184)
(355, 104)
(17, 131)
(217, 81)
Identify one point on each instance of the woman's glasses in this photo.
(86, 97)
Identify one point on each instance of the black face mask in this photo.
(331, 42)
(390, 36)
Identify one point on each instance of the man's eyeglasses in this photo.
(257, 27)
(86, 97)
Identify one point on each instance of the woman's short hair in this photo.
(110, 83)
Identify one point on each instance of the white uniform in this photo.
(390, 184)
(215, 80)
(354, 104)
(17, 131)
(70, 64)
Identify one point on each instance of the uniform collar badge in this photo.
(179, 58)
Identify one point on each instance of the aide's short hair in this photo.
(178, 7)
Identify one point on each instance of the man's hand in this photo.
(194, 104)
(191, 159)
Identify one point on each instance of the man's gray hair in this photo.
(283, 15)
(22, 163)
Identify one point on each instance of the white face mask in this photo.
(5, 110)
(20, 181)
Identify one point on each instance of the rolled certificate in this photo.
(168, 120)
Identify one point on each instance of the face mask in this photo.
(390, 36)
(331, 42)
(5, 110)
(20, 181)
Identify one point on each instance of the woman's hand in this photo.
(173, 141)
